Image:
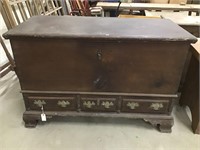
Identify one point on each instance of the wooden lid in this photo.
(100, 27)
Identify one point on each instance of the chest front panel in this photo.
(101, 66)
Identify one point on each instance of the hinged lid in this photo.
(100, 27)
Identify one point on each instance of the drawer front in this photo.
(98, 103)
(144, 105)
(92, 103)
(52, 103)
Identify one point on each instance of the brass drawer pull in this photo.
(88, 104)
(132, 105)
(63, 103)
(107, 104)
(39, 103)
(156, 106)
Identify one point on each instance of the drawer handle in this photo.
(156, 106)
(107, 104)
(39, 103)
(88, 104)
(132, 105)
(63, 103)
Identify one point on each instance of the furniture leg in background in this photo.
(193, 2)
(190, 91)
(9, 66)
(16, 11)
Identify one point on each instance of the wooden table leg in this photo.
(190, 93)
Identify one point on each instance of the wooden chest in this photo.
(109, 67)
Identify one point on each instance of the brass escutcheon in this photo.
(132, 105)
(63, 103)
(156, 106)
(107, 104)
(39, 103)
(88, 104)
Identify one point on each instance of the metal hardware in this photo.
(63, 103)
(107, 104)
(42, 108)
(156, 106)
(99, 54)
(39, 103)
(88, 104)
(132, 105)
(43, 115)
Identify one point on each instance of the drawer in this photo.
(94, 103)
(144, 105)
(52, 103)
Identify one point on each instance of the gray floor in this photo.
(86, 133)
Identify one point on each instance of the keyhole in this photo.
(99, 54)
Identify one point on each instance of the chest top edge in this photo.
(100, 28)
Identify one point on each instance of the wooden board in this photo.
(190, 90)
(177, 1)
(149, 6)
(177, 17)
(136, 16)
(159, 1)
(97, 29)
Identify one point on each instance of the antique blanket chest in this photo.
(109, 67)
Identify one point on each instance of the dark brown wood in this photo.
(100, 93)
(95, 70)
(190, 91)
(162, 122)
(92, 70)
(5, 65)
(30, 120)
(97, 30)
(5, 71)
(163, 125)
(133, 105)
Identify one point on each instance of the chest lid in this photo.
(100, 28)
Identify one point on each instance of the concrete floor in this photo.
(86, 133)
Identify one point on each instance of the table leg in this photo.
(190, 93)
